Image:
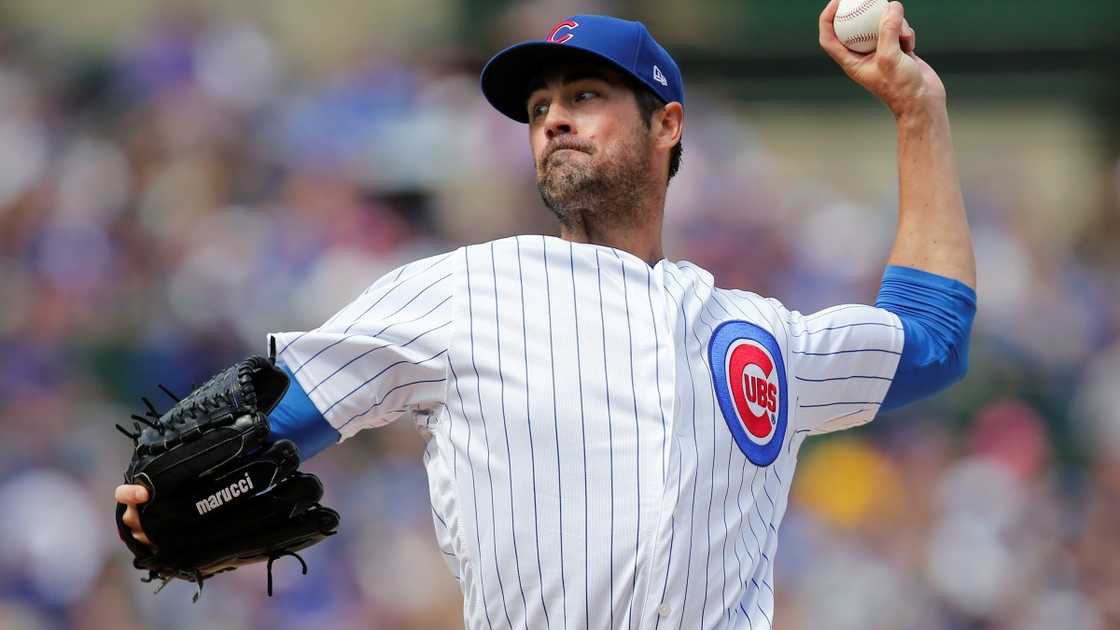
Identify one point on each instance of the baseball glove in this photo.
(221, 494)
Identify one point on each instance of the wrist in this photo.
(921, 116)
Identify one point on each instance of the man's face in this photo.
(591, 148)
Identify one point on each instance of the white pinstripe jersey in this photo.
(605, 449)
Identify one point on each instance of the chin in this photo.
(564, 184)
(556, 172)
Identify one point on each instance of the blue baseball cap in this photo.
(625, 45)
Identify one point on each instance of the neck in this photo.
(642, 239)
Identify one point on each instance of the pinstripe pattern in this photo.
(578, 373)
(610, 429)
(555, 423)
(529, 429)
(580, 468)
(637, 435)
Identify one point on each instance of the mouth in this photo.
(562, 151)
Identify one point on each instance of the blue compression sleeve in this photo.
(297, 419)
(936, 314)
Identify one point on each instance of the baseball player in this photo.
(612, 438)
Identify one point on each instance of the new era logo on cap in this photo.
(622, 44)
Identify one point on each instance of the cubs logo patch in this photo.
(749, 378)
(562, 32)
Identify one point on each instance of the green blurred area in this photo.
(748, 50)
(728, 27)
(755, 28)
(970, 25)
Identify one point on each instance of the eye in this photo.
(584, 95)
(538, 110)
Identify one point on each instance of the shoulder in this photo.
(520, 252)
(512, 246)
(747, 303)
(432, 265)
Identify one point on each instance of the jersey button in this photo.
(663, 610)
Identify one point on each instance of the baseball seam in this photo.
(864, 7)
(861, 37)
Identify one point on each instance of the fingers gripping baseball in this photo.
(828, 39)
(892, 71)
(887, 49)
(909, 38)
(895, 34)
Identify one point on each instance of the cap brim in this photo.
(507, 76)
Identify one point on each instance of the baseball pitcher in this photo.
(611, 437)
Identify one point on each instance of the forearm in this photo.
(297, 419)
(933, 232)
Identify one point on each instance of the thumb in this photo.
(890, 27)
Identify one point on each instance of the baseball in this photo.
(857, 23)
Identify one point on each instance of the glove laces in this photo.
(277, 556)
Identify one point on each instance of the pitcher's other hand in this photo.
(133, 495)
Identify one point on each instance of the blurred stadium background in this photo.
(179, 178)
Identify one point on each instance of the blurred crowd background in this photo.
(178, 179)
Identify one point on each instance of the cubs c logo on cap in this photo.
(562, 32)
(749, 378)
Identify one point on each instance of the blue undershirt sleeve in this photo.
(936, 314)
(297, 419)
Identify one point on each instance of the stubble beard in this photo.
(606, 192)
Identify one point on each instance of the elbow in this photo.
(947, 364)
(955, 364)
(959, 368)
(936, 315)
(955, 367)
(928, 367)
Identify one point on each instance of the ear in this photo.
(668, 125)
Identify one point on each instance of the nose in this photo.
(557, 121)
